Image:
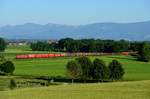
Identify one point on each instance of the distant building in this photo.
(16, 43)
(52, 41)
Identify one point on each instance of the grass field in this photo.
(134, 70)
(3, 83)
(17, 48)
(22, 49)
(56, 66)
(116, 90)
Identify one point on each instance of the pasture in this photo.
(4, 82)
(114, 90)
(56, 66)
(135, 70)
(136, 84)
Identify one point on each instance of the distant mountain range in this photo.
(116, 31)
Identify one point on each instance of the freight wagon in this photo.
(30, 56)
(50, 55)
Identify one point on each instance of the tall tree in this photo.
(86, 66)
(101, 72)
(116, 70)
(73, 70)
(3, 45)
(120, 46)
(2, 58)
(144, 52)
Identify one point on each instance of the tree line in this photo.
(142, 49)
(3, 44)
(91, 45)
(83, 68)
(87, 45)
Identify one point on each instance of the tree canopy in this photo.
(144, 52)
(86, 45)
(83, 68)
(73, 69)
(116, 70)
(101, 72)
(3, 45)
(86, 65)
(7, 67)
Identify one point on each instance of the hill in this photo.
(129, 31)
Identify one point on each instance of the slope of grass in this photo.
(116, 90)
(4, 83)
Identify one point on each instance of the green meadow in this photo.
(135, 84)
(134, 70)
(114, 90)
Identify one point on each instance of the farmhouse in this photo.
(16, 43)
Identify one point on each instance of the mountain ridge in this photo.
(105, 30)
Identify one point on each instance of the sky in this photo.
(73, 12)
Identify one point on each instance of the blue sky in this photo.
(73, 12)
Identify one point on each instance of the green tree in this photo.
(3, 45)
(121, 46)
(86, 66)
(116, 70)
(101, 72)
(73, 46)
(7, 67)
(2, 58)
(92, 45)
(134, 46)
(41, 46)
(73, 70)
(63, 43)
(144, 52)
(109, 46)
(99, 46)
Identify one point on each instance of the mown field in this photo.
(4, 83)
(135, 86)
(114, 90)
(56, 66)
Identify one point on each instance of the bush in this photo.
(101, 72)
(12, 84)
(7, 67)
(116, 70)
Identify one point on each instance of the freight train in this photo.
(51, 55)
(30, 56)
